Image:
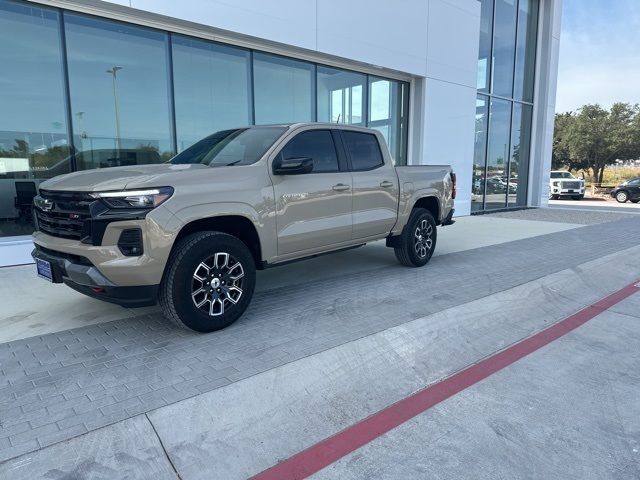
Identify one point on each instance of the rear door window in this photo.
(363, 150)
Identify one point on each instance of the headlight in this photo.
(149, 198)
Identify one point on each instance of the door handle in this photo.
(386, 184)
(340, 187)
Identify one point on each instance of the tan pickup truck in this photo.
(190, 233)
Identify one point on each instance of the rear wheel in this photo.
(622, 196)
(209, 281)
(418, 239)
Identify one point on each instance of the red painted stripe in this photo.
(332, 449)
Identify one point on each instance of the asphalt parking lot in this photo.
(604, 204)
(514, 354)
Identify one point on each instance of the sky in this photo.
(599, 53)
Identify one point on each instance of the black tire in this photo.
(181, 289)
(636, 200)
(622, 196)
(577, 197)
(415, 250)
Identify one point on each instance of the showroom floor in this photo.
(326, 344)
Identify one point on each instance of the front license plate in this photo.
(43, 268)
(571, 191)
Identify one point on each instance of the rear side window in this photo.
(363, 150)
(317, 145)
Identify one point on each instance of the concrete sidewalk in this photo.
(31, 306)
(569, 411)
(238, 430)
(136, 398)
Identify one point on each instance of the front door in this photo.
(634, 189)
(313, 210)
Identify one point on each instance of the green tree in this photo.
(560, 157)
(595, 137)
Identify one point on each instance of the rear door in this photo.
(375, 185)
(313, 210)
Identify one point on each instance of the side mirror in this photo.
(292, 166)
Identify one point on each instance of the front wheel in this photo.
(636, 200)
(418, 239)
(208, 282)
(622, 196)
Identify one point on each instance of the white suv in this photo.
(563, 184)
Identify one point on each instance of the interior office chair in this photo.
(25, 191)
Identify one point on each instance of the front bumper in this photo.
(109, 260)
(567, 191)
(80, 274)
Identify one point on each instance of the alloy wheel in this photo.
(423, 238)
(217, 283)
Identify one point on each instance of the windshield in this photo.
(241, 146)
(562, 175)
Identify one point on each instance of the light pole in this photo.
(113, 71)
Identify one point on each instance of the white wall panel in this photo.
(288, 21)
(544, 107)
(389, 34)
(448, 135)
(552, 82)
(543, 170)
(557, 18)
(453, 38)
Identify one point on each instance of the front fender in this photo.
(262, 219)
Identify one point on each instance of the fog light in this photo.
(130, 242)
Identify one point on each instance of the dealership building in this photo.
(96, 84)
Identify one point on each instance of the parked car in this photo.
(499, 185)
(565, 184)
(191, 233)
(628, 190)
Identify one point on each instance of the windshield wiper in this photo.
(233, 163)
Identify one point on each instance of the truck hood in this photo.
(119, 178)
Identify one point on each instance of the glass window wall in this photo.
(119, 86)
(389, 113)
(526, 50)
(34, 141)
(479, 154)
(497, 154)
(504, 46)
(340, 96)
(520, 147)
(283, 89)
(508, 36)
(136, 95)
(484, 52)
(211, 84)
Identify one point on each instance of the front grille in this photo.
(571, 185)
(66, 216)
